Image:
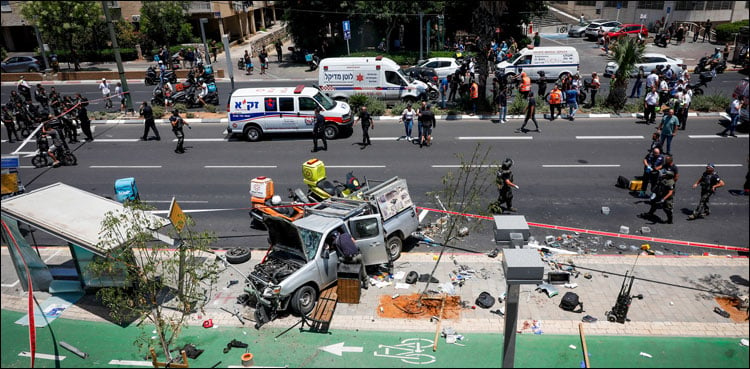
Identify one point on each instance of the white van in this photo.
(554, 61)
(340, 78)
(254, 112)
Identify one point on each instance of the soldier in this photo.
(663, 196)
(504, 181)
(709, 182)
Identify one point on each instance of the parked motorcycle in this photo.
(312, 60)
(662, 39)
(319, 188)
(151, 77)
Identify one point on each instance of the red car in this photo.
(627, 29)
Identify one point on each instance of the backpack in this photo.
(485, 300)
(623, 182)
(570, 302)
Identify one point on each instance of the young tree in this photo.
(63, 22)
(626, 52)
(393, 13)
(153, 274)
(165, 21)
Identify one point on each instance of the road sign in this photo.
(347, 30)
(643, 16)
(217, 14)
(669, 9)
(619, 5)
(176, 215)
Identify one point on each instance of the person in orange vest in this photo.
(525, 85)
(474, 94)
(555, 102)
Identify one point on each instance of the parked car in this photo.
(649, 62)
(592, 31)
(21, 64)
(423, 74)
(627, 30)
(442, 66)
(578, 30)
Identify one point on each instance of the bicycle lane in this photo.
(105, 342)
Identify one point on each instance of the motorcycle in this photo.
(151, 76)
(319, 188)
(704, 64)
(662, 39)
(174, 62)
(54, 63)
(704, 78)
(170, 76)
(264, 202)
(312, 60)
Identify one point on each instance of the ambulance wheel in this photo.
(331, 132)
(252, 133)
(563, 75)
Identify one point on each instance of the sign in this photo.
(217, 14)
(176, 215)
(11, 184)
(347, 30)
(619, 5)
(643, 16)
(669, 9)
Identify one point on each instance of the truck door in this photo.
(367, 231)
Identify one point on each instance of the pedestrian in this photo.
(652, 164)
(248, 63)
(83, 116)
(555, 102)
(278, 46)
(655, 142)
(652, 80)
(10, 124)
(684, 100)
(668, 127)
(455, 78)
(594, 87)
(638, 83)
(165, 54)
(367, 125)
(537, 39)
(734, 113)
(24, 89)
(474, 95)
(664, 197)
(443, 90)
(680, 35)
(542, 85)
(571, 98)
(407, 117)
(709, 182)
(502, 105)
(669, 165)
(54, 100)
(177, 124)
(319, 131)
(663, 91)
(505, 186)
(104, 88)
(214, 49)
(428, 123)
(582, 20)
(525, 88)
(530, 110)
(121, 96)
(263, 57)
(148, 115)
(650, 103)
(41, 96)
(707, 30)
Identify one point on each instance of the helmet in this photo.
(161, 62)
(275, 200)
(507, 163)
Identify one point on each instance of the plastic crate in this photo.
(212, 87)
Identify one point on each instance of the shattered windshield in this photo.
(310, 242)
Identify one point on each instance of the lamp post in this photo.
(118, 59)
(41, 45)
(203, 35)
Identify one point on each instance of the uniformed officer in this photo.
(709, 182)
(505, 185)
(663, 196)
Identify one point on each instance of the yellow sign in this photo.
(176, 215)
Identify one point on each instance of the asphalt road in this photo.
(566, 174)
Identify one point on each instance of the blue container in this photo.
(125, 189)
(212, 87)
(208, 69)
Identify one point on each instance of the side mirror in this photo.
(326, 253)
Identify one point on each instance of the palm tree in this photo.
(627, 52)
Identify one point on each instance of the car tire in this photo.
(330, 131)
(394, 247)
(237, 255)
(303, 300)
(252, 134)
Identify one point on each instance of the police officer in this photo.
(348, 253)
(177, 123)
(663, 196)
(709, 182)
(319, 131)
(505, 185)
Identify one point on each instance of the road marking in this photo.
(45, 356)
(125, 166)
(715, 136)
(384, 138)
(238, 166)
(130, 363)
(10, 285)
(355, 166)
(51, 256)
(116, 140)
(580, 165)
(716, 165)
(196, 210)
(495, 138)
(181, 201)
(339, 348)
(459, 166)
(202, 139)
(609, 137)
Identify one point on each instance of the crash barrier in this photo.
(320, 317)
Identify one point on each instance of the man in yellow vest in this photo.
(474, 94)
(525, 85)
(555, 102)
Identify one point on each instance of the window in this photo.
(613, 4)
(444, 64)
(364, 228)
(286, 104)
(650, 5)
(270, 104)
(432, 64)
(719, 5)
(5, 7)
(393, 78)
(689, 5)
(307, 104)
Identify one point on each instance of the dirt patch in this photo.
(729, 304)
(408, 307)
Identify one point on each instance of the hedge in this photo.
(725, 32)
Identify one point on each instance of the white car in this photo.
(592, 31)
(442, 66)
(650, 61)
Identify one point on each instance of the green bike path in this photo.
(105, 342)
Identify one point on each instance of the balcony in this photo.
(199, 7)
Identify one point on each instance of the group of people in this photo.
(262, 58)
(425, 123)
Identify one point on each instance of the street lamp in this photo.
(41, 45)
(203, 35)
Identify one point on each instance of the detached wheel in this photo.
(394, 246)
(304, 300)
(252, 134)
(237, 255)
(331, 131)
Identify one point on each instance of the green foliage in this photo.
(165, 22)
(104, 55)
(400, 57)
(357, 100)
(517, 105)
(190, 115)
(399, 108)
(3, 53)
(210, 108)
(705, 103)
(180, 107)
(63, 23)
(376, 107)
(127, 37)
(725, 32)
(158, 110)
(627, 53)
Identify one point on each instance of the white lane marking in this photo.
(598, 115)
(580, 165)
(51, 256)
(238, 166)
(194, 210)
(27, 167)
(10, 285)
(715, 136)
(42, 356)
(459, 166)
(125, 166)
(495, 138)
(355, 166)
(100, 140)
(130, 363)
(703, 165)
(384, 138)
(181, 201)
(203, 139)
(609, 137)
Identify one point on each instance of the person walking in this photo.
(83, 116)
(505, 186)
(367, 124)
(428, 122)
(670, 166)
(571, 98)
(104, 88)
(407, 117)
(474, 95)
(638, 83)
(455, 79)
(525, 88)
(707, 31)
(686, 100)
(248, 63)
(120, 96)
(263, 57)
(652, 164)
(594, 88)
(214, 49)
(734, 113)
(177, 124)
(278, 46)
(668, 127)
(443, 90)
(649, 104)
(530, 111)
(709, 182)
(664, 197)
(319, 131)
(148, 124)
(502, 105)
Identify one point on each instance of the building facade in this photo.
(672, 11)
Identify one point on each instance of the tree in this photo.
(307, 20)
(153, 274)
(165, 22)
(626, 52)
(63, 22)
(392, 13)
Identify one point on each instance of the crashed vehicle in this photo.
(301, 262)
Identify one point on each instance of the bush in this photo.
(158, 111)
(725, 32)
(376, 107)
(517, 106)
(399, 108)
(357, 100)
(190, 115)
(181, 108)
(210, 108)
(707, 103)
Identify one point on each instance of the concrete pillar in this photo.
(253, 30)
(262, 18)
(273, 11)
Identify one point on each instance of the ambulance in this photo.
(554, 61)
(380, 77)
(255, 112)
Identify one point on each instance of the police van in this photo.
(341, 78)
(554, 61)
(254, 112)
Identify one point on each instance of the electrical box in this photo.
(523, 266)
(507, 224)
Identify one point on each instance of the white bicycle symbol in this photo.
(409, 351)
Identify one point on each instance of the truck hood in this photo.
(282, 232)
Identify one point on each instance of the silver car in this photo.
(21, 64)
(578, 29)
(442, 66)
(650, 62)
(592, 30)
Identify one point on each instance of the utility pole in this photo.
(421, 34)
(118, 59)
(41, 45)
(203, 36)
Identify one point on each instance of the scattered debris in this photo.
(570, 285)
(426, 277)
(499, 312)
(548, 288)
(402, 286)
(572, 347)
(399, 275)
(232, 283)
(587, 275)
(493, 253)
(645, 354)
(589, 319)
(73, 349)
(744, 342)
(234, 343)
(721, 312)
